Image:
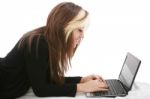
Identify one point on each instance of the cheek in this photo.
(76, 35)
(73, 37)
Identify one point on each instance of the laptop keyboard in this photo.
(114, 88)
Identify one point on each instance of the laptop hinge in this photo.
(124, 87)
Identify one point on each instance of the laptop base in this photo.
(115, 89)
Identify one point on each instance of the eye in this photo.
(80, 30)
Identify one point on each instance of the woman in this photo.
(42, 56)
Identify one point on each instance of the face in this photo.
(77, 35)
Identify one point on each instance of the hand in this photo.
(91, 77)
(92, 86)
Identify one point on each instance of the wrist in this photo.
(82, 80)
(80, 87)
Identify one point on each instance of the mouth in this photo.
(77, 41)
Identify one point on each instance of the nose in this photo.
(82, 35)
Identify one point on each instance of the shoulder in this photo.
(37, 47)
(39, 43)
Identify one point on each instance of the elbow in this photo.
(39, 93)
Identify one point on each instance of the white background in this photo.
(116, 27)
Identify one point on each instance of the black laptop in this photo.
(122, 85)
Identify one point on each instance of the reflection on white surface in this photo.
(139, 91)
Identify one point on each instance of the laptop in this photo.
(122, 85)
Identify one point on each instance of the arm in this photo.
(73, 79)
(37, 70)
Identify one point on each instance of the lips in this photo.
(77, 41)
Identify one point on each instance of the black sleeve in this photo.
(37, 73)
(72, 79)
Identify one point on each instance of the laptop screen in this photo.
(129, 70)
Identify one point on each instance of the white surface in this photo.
(139, 91)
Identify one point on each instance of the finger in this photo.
(94, 77)
(103, 85)
(101, 78)
(106, 84)
(102, 89)
(97, 77)
(104, 81)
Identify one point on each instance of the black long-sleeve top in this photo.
(21, 69)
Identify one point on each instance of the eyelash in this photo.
(80, 30)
